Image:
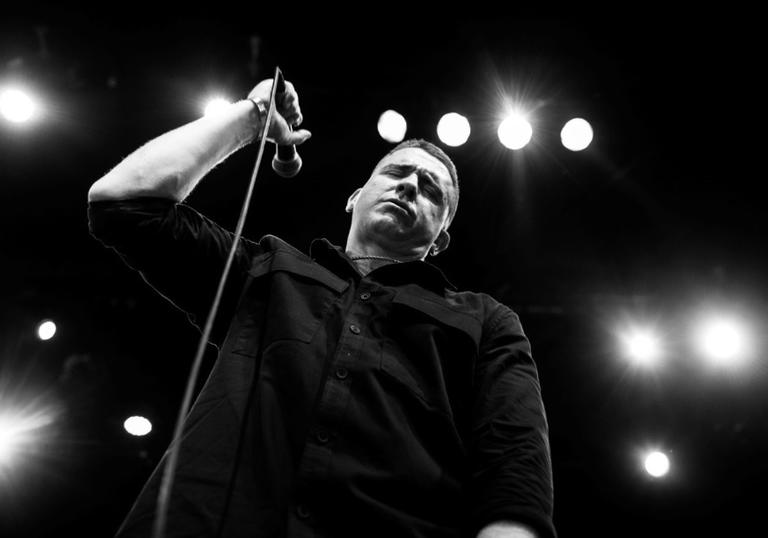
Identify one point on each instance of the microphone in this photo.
(286, 162)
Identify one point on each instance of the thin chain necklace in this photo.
(375, 258)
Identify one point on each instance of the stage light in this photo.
(576, 134)
(137, 426)
(642, 346)
(453, 129)
(18, 433)
(17, 105)
(8, 441)
(392, 126)
(656, 464)
(46, 330)
(515, 131)
(723, 340)
(215, 105)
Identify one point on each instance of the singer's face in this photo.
(404, 205)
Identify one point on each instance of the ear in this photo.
(352, 199)
(441, 242)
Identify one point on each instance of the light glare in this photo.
(453, 129)
(46, 330)
(642, 346)
(8, 442)
(515, 131)
(723, 340)
(216, 105)
(576, 134)
(656, 464)
(17, 431)
(137, 426)
(392, 126)
(17, 106)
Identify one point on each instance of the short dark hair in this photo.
(440, 155)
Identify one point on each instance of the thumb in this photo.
(298, 137)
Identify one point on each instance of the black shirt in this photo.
(389, 404)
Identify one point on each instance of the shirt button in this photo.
(365, 296)
(322, 437)
(355, 329)
(342, 373)
(302, 511)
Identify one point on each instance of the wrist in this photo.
(258, 114)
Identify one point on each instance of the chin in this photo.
(393, 237)
(391, 229)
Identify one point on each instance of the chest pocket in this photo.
(430, 353)
(285, 298)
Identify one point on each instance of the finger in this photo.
(290, 95)
(295, 119)
(290, 90)
(299, 137)
(287, 121)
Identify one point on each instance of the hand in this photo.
(287, 114)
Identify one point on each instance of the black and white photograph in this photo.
(385, 271)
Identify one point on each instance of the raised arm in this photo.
(170, 165)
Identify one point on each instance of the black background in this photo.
(661, 218)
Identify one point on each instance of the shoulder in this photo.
(489, 311)
(273, 243)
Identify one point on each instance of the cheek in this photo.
(369, 194)
(367, 204)
(436, 215)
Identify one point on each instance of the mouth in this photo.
(403, 207)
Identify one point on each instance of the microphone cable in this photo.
(166, 484)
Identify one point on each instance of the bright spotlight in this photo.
(46, 330)
(642, 346)
(215, 106)
(515, 131)
(576, 134)
(18, 431)
(656, 464)
(453, 129)
(17, 106)
(392, 126)
(137, 426)
(8, 441)
(723, 340)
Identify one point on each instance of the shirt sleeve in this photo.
(177, 251)
(510, 463)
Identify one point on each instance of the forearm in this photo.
(505, 529)
(170, 165)
(511, 485)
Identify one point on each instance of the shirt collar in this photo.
(335, 258)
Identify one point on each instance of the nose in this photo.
(409, 186)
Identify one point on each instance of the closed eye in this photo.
(425, 178)
(398, 170)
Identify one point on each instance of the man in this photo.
(356, 392)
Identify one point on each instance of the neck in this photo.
(374, 252)
(370, 257)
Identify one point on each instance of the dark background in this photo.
(660, 218)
